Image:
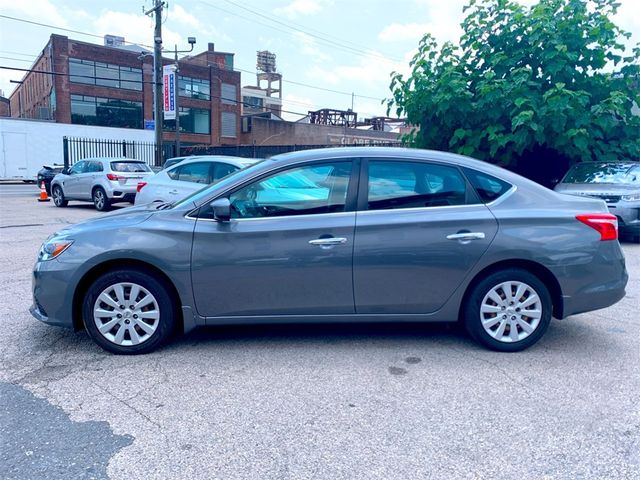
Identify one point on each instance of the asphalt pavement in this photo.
(310, 402)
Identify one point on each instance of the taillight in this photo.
(140, 185)
(114, 177)
(605, 223)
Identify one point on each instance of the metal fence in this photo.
(265, 151)
(78, 148)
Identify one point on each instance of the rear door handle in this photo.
(173, 192)
(466, 236)
(328, 242)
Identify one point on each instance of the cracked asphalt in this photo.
(323, 402)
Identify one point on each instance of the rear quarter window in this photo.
(130, 167)
(488, 187)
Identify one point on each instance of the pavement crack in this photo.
(125, 402)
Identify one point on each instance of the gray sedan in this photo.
(353, 234)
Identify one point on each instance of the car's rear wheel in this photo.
(58, 196)
(100, 199)
(129, 312)
(508, 310)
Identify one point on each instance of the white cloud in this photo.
(299, 8)
(309, 47)
(397, 32)
(39, 10)
(134, 28)
(179, 14)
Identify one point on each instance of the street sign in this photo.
(149, 124)
(169, 92)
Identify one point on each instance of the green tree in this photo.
(527, 88)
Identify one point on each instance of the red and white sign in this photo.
(169, 92)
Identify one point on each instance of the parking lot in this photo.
(325, 402)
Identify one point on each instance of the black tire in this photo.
(165, 302)
(100, 200)
(58, 196)
(472, 310)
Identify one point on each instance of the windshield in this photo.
(204, 191)
(604, 173)
(130, 167)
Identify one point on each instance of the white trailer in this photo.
(26, 145)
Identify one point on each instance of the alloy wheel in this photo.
(126, 314)
(57, 196)
(511, 311)
(98, 199)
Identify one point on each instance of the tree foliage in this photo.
(552, 79)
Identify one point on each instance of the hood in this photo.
(597, 189)
(125, 217)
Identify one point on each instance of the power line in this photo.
(65, 29)
(323, 38)
(292, 82)
(217, 97)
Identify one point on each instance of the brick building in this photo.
(113, 86)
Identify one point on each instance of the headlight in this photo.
(53, 248)
(634, 197)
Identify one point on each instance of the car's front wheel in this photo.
(508, 310)
(100, 200)
(58, 196)
(129, 312)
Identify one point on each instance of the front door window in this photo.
(311, 189)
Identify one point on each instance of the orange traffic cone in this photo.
(43, 194)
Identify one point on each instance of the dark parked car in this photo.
(345, 234)
(46, 174)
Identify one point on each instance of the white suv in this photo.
(102, 181)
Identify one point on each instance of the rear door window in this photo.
(488, 187)
(397, 184)
(193, 172)
(130, 167)
(221, 170)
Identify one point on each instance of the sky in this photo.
(339, 46)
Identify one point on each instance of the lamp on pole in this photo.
(192, 42)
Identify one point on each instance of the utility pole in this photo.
(157, 76)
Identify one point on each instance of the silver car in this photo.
(334, 235)
(102, 180)
(616, 183)
(178, 181)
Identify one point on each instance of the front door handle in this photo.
(328, 242)
(173, 192)
(466, 236)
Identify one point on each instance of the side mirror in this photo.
(65, 171)
(221, 209)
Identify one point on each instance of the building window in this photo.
(194, 88)
(106, 112)
(228, 93)
(228, 124)
(192, 120)
(252, 103)
(104, 74)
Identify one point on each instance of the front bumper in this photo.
(53, 287)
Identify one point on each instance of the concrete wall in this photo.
(275, 132)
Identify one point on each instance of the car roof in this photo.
(394, 154)
(237, 161)
(111, 159)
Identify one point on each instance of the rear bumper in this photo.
(598, 283)
(596, 298)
